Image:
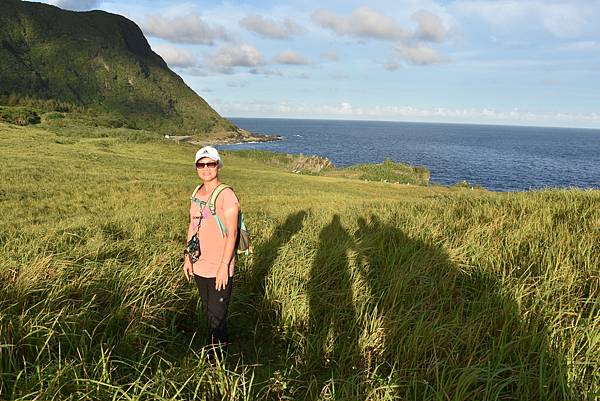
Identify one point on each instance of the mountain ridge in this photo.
(100, 62)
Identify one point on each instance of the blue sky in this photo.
(527, 62)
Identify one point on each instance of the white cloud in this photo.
(419, 55)
(582, 46)
(175, 57)
(407, 113)
(237, 84)
(563, 20)
(499, 14)
(329, 55)
(430, 27)
(270, 28)
(362, 23)
(76, 5)
(391, 65)
(194, 71)
(227, 57)
(339, 76)
(183, 29)
(265, 71)
(568, 19)
(290, 57)
(367, 23)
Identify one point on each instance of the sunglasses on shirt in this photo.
(209, 165)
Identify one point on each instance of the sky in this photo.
(514, 62)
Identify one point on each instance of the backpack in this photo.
(242, 242)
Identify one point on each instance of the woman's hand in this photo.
(222, 277)
(188, 270)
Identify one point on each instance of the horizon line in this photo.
(419, 122)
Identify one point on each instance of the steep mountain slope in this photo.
(100, 62)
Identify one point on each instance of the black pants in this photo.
(215, 305)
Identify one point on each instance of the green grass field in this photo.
(356, 290)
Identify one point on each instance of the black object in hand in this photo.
(193, 248)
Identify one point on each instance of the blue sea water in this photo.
(500, 158)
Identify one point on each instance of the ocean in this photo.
(499, 158)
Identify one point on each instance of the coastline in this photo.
(238, 140)
(503, 159)
(253, 138)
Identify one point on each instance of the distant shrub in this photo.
(467, 184)
(41, 104)
(297, 163)
(108, 121)
(54, 116)
(114, 123)
(141, 137)
(388, 171)
(19, 115)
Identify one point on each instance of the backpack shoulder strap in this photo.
(193, 198)
(212, 204)
(193, 195)
(213, 208)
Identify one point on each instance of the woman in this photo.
(217, 232)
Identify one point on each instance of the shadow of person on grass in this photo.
(451, 333)
(332, 343)
(253, 317)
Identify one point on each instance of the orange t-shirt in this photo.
(212, 242)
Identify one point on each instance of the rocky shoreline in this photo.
(233, 140)
(253, 138)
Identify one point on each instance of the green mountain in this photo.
(99, 63)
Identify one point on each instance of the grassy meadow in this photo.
(356, 290)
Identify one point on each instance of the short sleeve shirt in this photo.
(212, 241)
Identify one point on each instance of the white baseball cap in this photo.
(211, 153)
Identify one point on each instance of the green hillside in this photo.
(356, 290)
(98, 63)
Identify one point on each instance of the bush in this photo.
(388, 171)
(295, 163)
(19, 115)
(54, 116)
(467, 184)
(14, 99)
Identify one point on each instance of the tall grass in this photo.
(355, 290)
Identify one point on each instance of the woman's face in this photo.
(207, 173)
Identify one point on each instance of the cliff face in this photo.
(100, 61)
